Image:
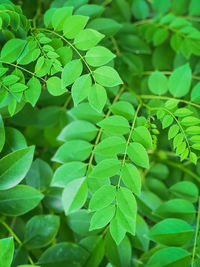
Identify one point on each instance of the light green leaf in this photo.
(54, 86)
(142, 135)
(116, 230)
(41, 230)
(138, 154)
(131, 178)
(97, 97)
(107, 76)
(19, 200)
(178, 257)
(6, 251)
(14, 167)
(59, 17)
(80, 88)
(98, 56)
(2, 133)
(115, 125)
(87, 39)
(74, 150)
(110, 146)
(123, 108)
(173, 131)
(74, 195)
(158, 83)
(32, 93)
(12, 50)
(71, 72)
(73, 25)
(78, 130)
(103, 197)
(105, 168)
(127, 209)
(140, 9)
(68, 172)
(102, 217)
(180, 81)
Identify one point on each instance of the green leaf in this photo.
(115, 125)
(138, 154)
(161, 6)
(42, 66)
(182, 112)
(105, 168)
(41, 230)
(190, 121)
(19, 200)
(59, 17)
(12, 50)
(78, 130)
(124, 109)
(14, 167)
(74, 195)
(171, 232)
(106, 26)
(178, 257)
(68, 172)
(194, 9)
(87, 39)
(71, 72)
(167, 120)
(176, 208)
(195, 95)
(140, 9)
(6, 251)
(116, 230)
(160, 36)
(73, 25)
(32, 93)
(54, 86)
(158, 83)
(186, 190)
(110, 146)
(131, 178)
(98, 56)
(63, 254)
(74, 150)
(97, 97)
(127, 209)
(107, 76)
(10, 79)
(102, 217)
(80, 88)
(2, 133)
(142, 135)
(180, 81)
(103, 197)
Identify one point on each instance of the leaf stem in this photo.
(71, 45)
(127, 143)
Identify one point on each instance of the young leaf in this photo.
(73, 25)
(97, 97)
(131, 178)
(80, 88)
(7, 251)
(71, 72)
(123, 108)
(180, 81)
(98, 56)
(74, 195)
(87, 39)
(103, 197)
(110, 146)
(127, 209)
(32, 93)
(142, 135)
(102, 217)
(54, 86)
(68, 172)
(107, 76)
(138, 154)
(14, 167)
(115, 125)
(12, 50)
(158, 83)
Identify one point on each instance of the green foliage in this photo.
(99, 133)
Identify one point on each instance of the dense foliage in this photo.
(99, 133)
